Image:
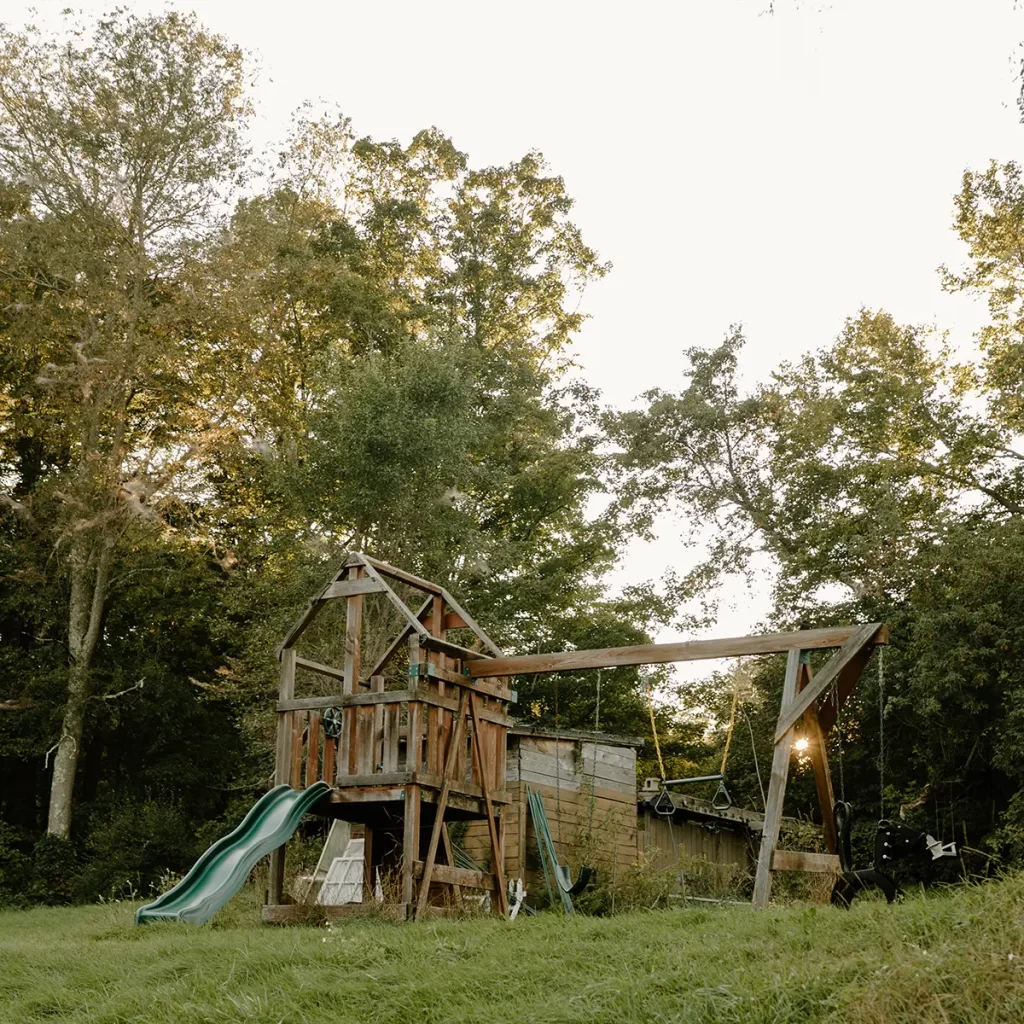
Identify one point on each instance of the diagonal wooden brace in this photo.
(442, 803)
(794, 710)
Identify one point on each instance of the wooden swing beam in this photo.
(659, 654)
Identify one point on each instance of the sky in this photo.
(778, 171)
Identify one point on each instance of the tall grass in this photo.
(954, 956)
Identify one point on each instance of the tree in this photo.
(116, 147)
(841, 468)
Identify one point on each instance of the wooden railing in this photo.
(387, 733)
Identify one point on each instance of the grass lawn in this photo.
(952, 956)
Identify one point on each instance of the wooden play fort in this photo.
(411, 734)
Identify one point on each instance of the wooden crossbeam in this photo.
(316, 666)
(656, 654)
(488, 689)
(793, 710)
(436, 643)
(488, 714)
(799, 860)
(400, 640)
(349, 588)
(828, 712)
(458, 876)
(822, 774)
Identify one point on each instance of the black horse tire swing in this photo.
(893, 841)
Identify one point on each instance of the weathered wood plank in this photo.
(282, 765)
(316, 666)
(457, 876)
(353, 635)
(377, 755)
(411, 620)
(776, 792)
(298, 726)
(823, 678)
(828, 711)
(656, 654)
(822, 775)
(313, 749)
(436, 643)
(365, 764)
(330, 750)
(442, 803)
(414, 738)
(401, 574)
(410, 842)
(343, 700)
(350, 588)
(492, 825)
(800, 860)
(478, 685)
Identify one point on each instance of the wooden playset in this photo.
(406, 758)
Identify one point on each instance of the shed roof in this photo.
(577, 734)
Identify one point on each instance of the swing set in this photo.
(810, 707)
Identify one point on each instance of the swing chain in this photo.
(881, 731)
(839, 741)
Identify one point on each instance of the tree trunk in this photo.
(90, 569)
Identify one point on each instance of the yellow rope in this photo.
(654, 733)
(732, 722)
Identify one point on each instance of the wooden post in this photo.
(410, 843)
(776, 790)
(349, 749)
(819, 761)
(414, 741)
(377, 760)
(492, 826)
(442, 803)
(367, 864)
(282, 765)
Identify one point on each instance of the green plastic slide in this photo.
(225, 866)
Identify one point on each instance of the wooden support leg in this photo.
(776, 790)
(368, 878)
(410, 843)
(492, 825)
(282, 766)
(442, 803)
(819, 761)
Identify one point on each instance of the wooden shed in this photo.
(718, 846)
(588, 784)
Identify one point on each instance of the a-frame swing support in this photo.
(810, 703)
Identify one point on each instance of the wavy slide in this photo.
(220, 872)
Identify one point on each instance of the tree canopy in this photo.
(220, 369)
